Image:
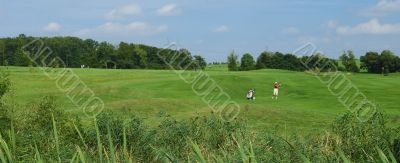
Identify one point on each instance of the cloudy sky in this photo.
(213, 28)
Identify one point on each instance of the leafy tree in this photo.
(387, 61)
(11, 46)
(277, 60)
(370, 62)
(349, 61)
(153, 59)
(264, 60)
(345, 60)
(2, 51)
(353, 67)
(247, 62)
(125, 56)
(21, 59)
(200, 62)
(232, 62)
(74, 52)
(319, 62)
(397, 64)
(88, 56)
(141, 56)
(291, 62)
(104, 53)
(182, 59)
(71, 51)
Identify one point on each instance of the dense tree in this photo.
(291, 62)
(88, 57)
(319, 62)
(370, 62)
(74, 52)
(386, 62)
(2, 51)
(104, 54)
(349, 61)
(232, 62)
(344, 58)
(182, 60)
(200, 62)
(11, 46)
(277, 60)
(397, 64)
(247, 62)
(264, 60)
(140, 57)
(21, 59)
(125, 56)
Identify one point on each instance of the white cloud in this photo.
(371, 27)
(290, 30)
(306, 39)
(124, 11)
(221, 29)
(168, 10)
(52, 27)
(301, 40)
(332, 24)
(383, 7)
(117, 29)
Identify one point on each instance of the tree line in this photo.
(278, 60)
(385, 62)
(75, 52)
(372, 62)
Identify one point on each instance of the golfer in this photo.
(275, 93)
(250, 94)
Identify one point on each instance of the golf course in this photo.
(305, 105)
(263, 81)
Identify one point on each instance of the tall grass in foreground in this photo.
(63, 138)
(245, 150)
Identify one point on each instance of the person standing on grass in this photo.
(275, 93)
(250, 94)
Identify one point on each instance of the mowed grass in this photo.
(304, 104)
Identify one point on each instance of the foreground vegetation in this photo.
(47, 134)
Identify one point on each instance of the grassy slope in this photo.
(305, 104)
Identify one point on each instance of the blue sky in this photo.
(213, 28)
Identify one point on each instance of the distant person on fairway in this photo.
(250, 94)
(275, 93)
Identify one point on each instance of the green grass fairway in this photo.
(304, 104)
